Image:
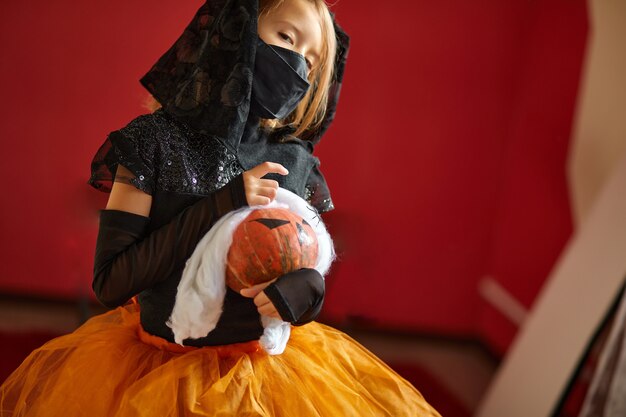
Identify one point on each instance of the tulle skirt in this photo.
(111, 367)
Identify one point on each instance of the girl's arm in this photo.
(128, 262)
(126, 197)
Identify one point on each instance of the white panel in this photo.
(599, 135)
(570, 307)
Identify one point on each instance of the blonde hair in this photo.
(311, 110)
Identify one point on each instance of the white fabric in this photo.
(202, 288)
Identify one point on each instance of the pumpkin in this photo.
(268, 243)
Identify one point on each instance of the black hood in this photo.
(205, 78)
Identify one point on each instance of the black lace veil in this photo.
(204, 81)
(205, 78)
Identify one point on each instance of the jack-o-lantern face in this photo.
(268, 243)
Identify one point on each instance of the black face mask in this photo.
(280, 81)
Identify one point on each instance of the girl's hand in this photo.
(263, 304)
(258, 190)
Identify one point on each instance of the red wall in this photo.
(466, 111)
(71, 78)
(446, 160)
(533, 219)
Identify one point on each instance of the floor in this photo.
(462, 367)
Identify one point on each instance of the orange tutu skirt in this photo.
(111, 367)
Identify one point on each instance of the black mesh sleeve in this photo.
(298, 295)
(127, 262)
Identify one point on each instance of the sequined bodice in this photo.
(183, 161)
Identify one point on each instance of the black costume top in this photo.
(178, 167)
(190, 149)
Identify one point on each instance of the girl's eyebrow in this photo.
(297, 29)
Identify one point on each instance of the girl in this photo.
(246, 92)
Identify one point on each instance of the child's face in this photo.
(294, 25)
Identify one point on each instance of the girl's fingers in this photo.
(261, 191)
(261, 196)
(269, 167)
(267, 310)
(276, 315)
(267, 192)
(261, 299)
(268, 183)
(249, 292)
(253, 291)
(258, 201)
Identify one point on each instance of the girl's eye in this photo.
(286, 37)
